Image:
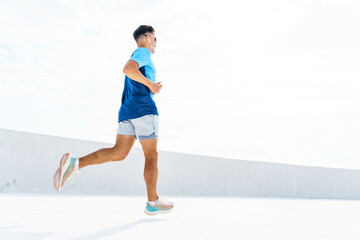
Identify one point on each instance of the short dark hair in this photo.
(142, 29)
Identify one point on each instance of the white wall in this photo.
(28, 162)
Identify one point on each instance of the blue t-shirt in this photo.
(137, 99)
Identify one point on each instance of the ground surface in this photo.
(121, 217)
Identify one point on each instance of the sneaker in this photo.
(65, 172)
(161, 206)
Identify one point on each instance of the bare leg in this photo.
(119, 152)
(151, 167)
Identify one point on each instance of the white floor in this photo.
(63, 216)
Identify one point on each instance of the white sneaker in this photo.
(66, 171)
(161, 206)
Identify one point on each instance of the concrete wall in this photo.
(28, 162)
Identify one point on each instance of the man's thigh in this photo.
(149, 147)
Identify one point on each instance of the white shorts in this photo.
(144, 127)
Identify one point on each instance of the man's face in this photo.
(151, 38)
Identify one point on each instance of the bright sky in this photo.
(274, 81)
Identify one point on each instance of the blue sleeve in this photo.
(142, 56)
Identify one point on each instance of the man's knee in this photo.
(151, 157)
(119, 155)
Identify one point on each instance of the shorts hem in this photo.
(151, 136)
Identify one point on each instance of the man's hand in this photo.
(155, 87)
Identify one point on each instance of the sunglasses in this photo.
(151, 35)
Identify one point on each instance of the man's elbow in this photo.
(126, 70)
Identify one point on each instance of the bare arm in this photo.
(131, 70)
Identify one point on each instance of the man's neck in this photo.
(143, 45)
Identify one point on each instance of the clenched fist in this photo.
(155, 87)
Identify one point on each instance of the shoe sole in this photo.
(157, 212)
(59, 173)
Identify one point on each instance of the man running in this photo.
(138, 118)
